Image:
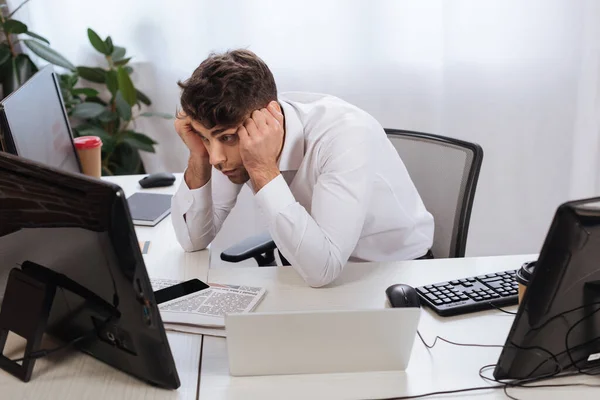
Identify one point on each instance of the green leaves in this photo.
(25, 67)
(108, 116)
(98, 43)
(46, 53)
(118, 53)
(89, 92)
(15, 71)
(142, 97)
(123, 108)
(88, 110)
(36, 36)
(109, 45)
(96, 75)
(122, 62)
(111, 82)
(139, 141)
(126, 86)
(157, 114)
(4, 54)
(14, 26)
(108, 113)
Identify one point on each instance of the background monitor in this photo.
(81, 227)
(557, 327)
(35, 124)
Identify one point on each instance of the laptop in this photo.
(314, 342)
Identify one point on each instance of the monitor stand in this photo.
(26, 307)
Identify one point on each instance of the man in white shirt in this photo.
(330, 184)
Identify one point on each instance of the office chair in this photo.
(445, 172)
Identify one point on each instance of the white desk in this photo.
(73, 375)
(445, 367)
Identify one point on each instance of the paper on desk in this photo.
(197, 330)
(203, 312)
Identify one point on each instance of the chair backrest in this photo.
(445, 172)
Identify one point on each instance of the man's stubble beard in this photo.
(240, 178)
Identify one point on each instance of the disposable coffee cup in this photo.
(89, 149)
(523, 277)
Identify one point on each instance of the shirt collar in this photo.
(293, 146)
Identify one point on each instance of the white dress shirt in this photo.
(343, 194)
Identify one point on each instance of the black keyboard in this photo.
(468, 295)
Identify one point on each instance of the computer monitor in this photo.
(557, 327)
(80, 227)
(34, 123)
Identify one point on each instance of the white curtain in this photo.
(519, 78)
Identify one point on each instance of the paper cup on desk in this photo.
(89, 149)
(523, 277)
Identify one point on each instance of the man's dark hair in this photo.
(226, 88)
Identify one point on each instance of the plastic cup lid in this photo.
(87, 142)
(525, 272)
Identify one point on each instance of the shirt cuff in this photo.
(274, 197)
(193, 199)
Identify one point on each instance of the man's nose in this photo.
(217, 155)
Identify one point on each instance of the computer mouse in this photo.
(400, 295)
(158, 179)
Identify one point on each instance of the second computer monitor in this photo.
(35, 124)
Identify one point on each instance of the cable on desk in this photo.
(525, 382)
(454, 343)
(502, 309)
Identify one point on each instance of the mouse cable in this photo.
(502, 309)
(431, 346)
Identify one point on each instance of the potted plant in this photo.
(111, 112)
(17, 67)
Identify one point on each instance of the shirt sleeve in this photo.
(318, 244)
(198, 214)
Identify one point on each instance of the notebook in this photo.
(148, 209)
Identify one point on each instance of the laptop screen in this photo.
(36, 125)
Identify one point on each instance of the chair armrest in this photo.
(253, 247)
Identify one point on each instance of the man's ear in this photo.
(276, 105)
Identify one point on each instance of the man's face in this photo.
(222, 145)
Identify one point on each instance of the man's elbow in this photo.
(189, 245)
(191, 248)
(324, 276)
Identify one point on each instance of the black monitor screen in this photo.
(81, 228)
(35, 124)
(557, 327)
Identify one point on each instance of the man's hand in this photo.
(198, 171)
(261, 141)
(193, 141)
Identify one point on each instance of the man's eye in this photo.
(227, 138)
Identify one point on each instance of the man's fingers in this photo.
(251, 127)
(271, 121)
(259, 119)
(242, 133)
(275, 113)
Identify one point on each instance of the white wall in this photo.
(506, 74)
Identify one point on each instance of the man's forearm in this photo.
(261, 176)
(197, 173)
